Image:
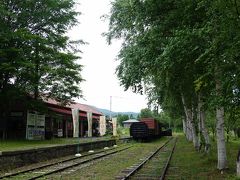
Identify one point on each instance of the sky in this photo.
(99, 61)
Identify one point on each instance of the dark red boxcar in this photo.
(152, 124)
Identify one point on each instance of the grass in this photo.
(112, 166)
(186, 163)
(11, 145)
(122, 131)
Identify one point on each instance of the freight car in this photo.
(147, 129)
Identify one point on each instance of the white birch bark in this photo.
(188, 123)
(205, 132)
(194, 133)
(238, 164)
(192, 130)
(184, 126)
(202, 123)
(199, 127)
(221, 146)
(189, 130)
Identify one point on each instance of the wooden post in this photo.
(81, 124)
(66, 127)
(238, 164)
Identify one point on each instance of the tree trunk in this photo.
(194, 133)
(192, 130)
(205, 132)
(187, 124)
(238, 164)
(184, 126)
(202, 123)
(189, 127)
(187, 131)
(221, 146)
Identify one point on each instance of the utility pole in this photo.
(110, 107)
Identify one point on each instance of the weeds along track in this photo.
(52, 168)
(152, 167)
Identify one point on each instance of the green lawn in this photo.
(186, 163)
(11, 145)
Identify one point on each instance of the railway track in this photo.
(152, 167)
(52, 168)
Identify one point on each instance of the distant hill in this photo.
(107, 113)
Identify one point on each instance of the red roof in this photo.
(74, 105)
(69, 112)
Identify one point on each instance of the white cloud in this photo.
(99, 61)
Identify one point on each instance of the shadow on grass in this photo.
(187, 163)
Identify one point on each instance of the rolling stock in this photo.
(148, 129)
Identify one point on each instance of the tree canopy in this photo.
(36, 55)
(184, 55)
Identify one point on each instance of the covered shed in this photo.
(53, 120)
(65, 122)
(128, 123)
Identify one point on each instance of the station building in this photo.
(21, 122)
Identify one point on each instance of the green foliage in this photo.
(36, 55)
(164, 118)
(179, 48)
(146, 113)
(123, 132)
(121, 118)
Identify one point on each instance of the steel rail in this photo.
(168, 161)
(77, 164)
(144, 162)
(52, 164)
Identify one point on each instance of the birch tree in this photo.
(188, 57)
(238, 164)
(202, 124)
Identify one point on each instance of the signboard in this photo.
(35, 129)
(60, 133)
(75, 116)
(102, 125)
(40, 120)
(35, 133)
(114, 124)
(31, 119)
(89, 117)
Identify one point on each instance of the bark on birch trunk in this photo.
(194, 134)
(184, 126)
(221, 146)
(201, 143)
(192, 129)
(238, 164)
(189, 128)
(202, 121)
(188, 123)
(205, 132)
